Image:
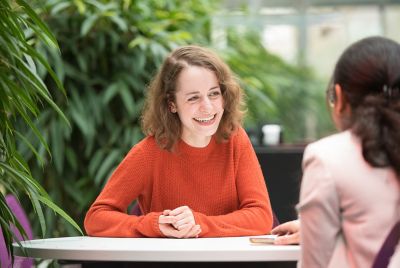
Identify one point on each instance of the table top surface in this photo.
(157, 249)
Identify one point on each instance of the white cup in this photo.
(271, 134)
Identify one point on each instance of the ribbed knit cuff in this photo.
(197, 220)
(156, 226)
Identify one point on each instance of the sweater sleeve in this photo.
(108, 214)
(254, 216)
(319, 203)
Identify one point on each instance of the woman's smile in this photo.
(199, 104)
(206, 120)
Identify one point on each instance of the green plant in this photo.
(22, 93)
(109, 52)
(277, 92)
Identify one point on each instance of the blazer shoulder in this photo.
(336, 143)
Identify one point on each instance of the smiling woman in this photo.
(196, 173)
(190, 71)
(199, 105)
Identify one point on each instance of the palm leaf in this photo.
(44, 32)
(58, 210)
(20, 92)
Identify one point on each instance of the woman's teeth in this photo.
(205, 119)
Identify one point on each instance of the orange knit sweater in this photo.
(222, 184)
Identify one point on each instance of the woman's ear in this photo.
(172, 107)
(340, 103)
(341, 109)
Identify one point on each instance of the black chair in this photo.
(281, 167)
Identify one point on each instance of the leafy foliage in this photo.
(21, 92)
(278, 92)
(109, 52)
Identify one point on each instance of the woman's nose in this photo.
(205, 105)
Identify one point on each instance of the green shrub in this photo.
(109, 52)
(277, 92)
(21, 92)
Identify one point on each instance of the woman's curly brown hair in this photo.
(165, 126)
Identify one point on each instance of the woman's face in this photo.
(199, 104)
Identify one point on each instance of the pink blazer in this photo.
(346, 207)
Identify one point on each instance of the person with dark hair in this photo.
(350, 195)
(195, 174)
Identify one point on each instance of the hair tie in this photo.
(390, 92)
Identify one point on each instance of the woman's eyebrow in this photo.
(216, 87)
(197, 92)
(192, 93)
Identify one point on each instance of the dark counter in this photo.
(281, 166)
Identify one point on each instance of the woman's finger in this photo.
(179, 210)
(166, 219)
(194, 232)
(184, 226)
(183, 221)
(166, 212)
(287, 228)
(185, 233)
(287, 239)
(185, 214)
(167, 230)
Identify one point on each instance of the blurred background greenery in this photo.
(109, 52)
(21, 92)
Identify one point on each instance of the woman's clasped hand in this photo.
(179, 223)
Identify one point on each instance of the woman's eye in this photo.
(194, 98)
(215, 94)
